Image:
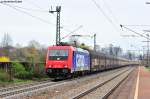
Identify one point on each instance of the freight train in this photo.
(67, 61)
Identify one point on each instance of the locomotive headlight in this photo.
(50, 66)
(65, 66)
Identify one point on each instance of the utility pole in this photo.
(148, 43)
(94, 42)
(58, 9)
(143, 52)
(144, 55)
(147, 46)
(148, 50)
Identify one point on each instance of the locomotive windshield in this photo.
(58, 54)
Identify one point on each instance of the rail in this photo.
(26, 88)
(100, 85)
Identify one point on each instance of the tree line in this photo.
(34, 51)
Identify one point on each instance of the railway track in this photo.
(29, 89)
(25, 89)
(23, 85)
(86, 93)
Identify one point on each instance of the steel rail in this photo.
(29, 88)
(114, 88)
(96, 87)
(24, 85)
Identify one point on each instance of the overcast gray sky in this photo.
(104, 21)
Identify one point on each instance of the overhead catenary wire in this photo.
(29, 9)
(105, 15)
(34, 4)
(72, 32)
(140, 25)
(100, 8)
(122, 26)
(39, 7)
(39, 10)
(35, 17)
(110, 11)
(86, 38)
(21, 10)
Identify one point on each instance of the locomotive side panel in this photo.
(81, 61)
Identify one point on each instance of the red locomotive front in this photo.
(59, 61)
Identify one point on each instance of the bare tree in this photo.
(6, 40)
(34, 44)
(6, 44)
(36, 52)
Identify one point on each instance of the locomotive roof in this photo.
(69, 47)
(61, 47)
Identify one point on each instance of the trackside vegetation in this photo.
(148, 68)
(4, 76)
(19, 71)
(31, 72)
(23, 74)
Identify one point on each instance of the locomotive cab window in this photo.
(58, 54)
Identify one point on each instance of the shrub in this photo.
(19, 71)
(4, 76)
(35, 71)
(39, 71)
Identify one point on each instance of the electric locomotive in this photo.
(63, 61)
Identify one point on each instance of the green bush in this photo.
(19, 71)
(4, 76)
(35, 71)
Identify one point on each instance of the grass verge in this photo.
(148, 68)
(14, 82)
